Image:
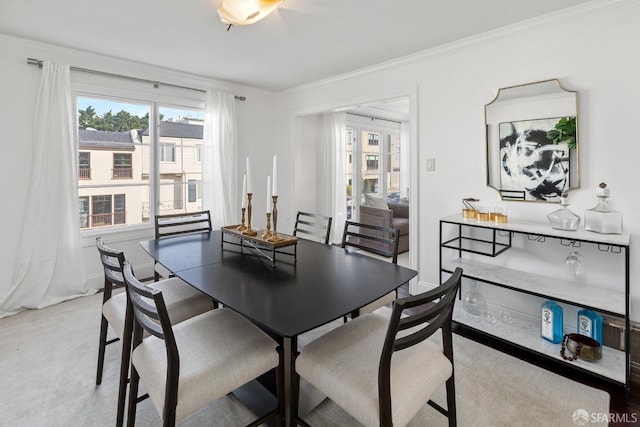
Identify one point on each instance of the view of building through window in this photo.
(373, 161)
(124, 169)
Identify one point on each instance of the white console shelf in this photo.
(462, 240)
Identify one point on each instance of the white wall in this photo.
(18, 86)
(590, 49)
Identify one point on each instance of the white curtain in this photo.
(405, 163)
(333, 170)
(219, 170)
(49, 264)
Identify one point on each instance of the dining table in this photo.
(307, 285)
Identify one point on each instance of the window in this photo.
(101, 208)
(192, 191)
(372, 161)
(119, 209)
(83, 207)
(104, 210)
(122, 166)
(84, 165)
(167, 153)
(126, 176)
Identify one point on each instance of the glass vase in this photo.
(473, 301)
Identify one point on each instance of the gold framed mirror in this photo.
(532, 141)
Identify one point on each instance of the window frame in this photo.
(127, 91)
(84, 175)
(123, 175)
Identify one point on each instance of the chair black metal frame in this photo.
(154, 319)
(181, 223)
(111, 260)
(366, 236)
(313, 226)
(438, 316)
(438, 312)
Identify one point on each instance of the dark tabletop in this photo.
(324, 284)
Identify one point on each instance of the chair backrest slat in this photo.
(436, 315)
(313, 227)
(372, 238)
(182, 223)
(148, 306)
(111, 263)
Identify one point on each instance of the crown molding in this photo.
(592, 8)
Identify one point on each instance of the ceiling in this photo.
(303, 41)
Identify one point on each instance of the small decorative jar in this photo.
(563, 218)
(601, 219)
(469, 209)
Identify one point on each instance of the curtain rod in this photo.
(38, 62)
(373, 117)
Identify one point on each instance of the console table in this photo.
(478, 247)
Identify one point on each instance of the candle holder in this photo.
(267, 233)
(248, 231)
(274, 236)
(242, 227)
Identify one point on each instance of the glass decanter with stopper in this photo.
(473, 301)
(602, 219)
(563, 218)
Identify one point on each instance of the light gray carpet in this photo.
(47, 376)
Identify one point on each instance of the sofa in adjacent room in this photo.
(377, 211)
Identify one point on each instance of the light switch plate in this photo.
(431, 165)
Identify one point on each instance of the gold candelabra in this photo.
(267, 233)
(242, 227)
(274, 236)
(249, 231)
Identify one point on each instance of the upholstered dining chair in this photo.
(382, 241)
(382, 371)
(187, 366)
(313, 227)
(176, 224)
(182, 300)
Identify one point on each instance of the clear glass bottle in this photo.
(563, 218)
(551, 327)
(601, 219)
(473, 301)
(590, 324)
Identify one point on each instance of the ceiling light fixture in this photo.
(245, 12)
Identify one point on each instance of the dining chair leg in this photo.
(451, 402)
(133, 397)
(104, 324)
(125, 361)
(280, 388)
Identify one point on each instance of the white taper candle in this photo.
(244, 191)
(268, 194)
(275, 177)
(249, 188)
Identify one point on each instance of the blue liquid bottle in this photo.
(551, 322)
(590, 324)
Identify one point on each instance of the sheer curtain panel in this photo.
(49, 261)
(220, 158)
(334, 170)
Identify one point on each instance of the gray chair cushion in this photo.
(219, 352)
(343, 364)
(182, 300)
